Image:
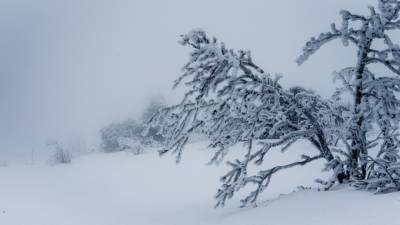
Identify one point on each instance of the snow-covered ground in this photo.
(126, 189)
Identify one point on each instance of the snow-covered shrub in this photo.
(130, 131)
(60, 154)
(110, 134)
(117, 136)
(130, 145)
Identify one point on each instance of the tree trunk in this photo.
(359, 146)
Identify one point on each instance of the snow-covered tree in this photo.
(152, 133)
(111, 134)
(130, 133)
(231, 100)
(375, 95)
(156, 103)
(60, 154)
(131, 145)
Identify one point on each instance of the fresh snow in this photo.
(126, 189)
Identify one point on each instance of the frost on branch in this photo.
(232, 101)
(372, 160)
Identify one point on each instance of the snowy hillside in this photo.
(125, 189)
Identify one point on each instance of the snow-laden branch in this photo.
(237, 178)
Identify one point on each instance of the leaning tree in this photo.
(231, 100)
(371, 162)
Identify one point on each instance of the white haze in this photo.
(69, 67)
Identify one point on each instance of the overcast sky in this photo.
(69, 67)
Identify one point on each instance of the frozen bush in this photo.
(60, 154)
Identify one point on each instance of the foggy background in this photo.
(68, 68)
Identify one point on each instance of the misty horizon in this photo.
(69, 68)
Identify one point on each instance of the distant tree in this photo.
(375, 96)
(134, 135)
(131, 145)
(60, 154)
(152, 134)
(156, 103)
(111, 134)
